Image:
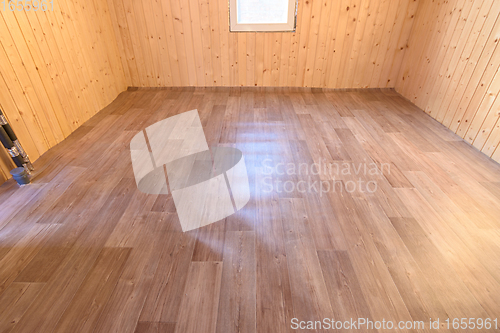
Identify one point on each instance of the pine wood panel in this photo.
(451, 68)
(57, 69)
(333, 44)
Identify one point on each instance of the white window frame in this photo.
(289, 26)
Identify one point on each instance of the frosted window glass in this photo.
(262, 11)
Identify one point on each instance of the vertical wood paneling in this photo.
(242, 60)
(361, 54)
(323, 38)
(451, 68)
(354, 22)
(250, 60)
(338, 44)
(364, 70)
(330, 43)
(57, 69)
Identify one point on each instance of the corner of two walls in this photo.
(57, 69)
(451, 69)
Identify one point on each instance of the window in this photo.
(262, 15)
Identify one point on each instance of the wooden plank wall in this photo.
(451, 68)
(338, 44)
(57, 69)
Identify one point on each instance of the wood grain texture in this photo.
(94, 292)
(58, 68)
(340, 44)
(237, 297)
(14, 301)
(200, 302)
(450, 69)
(82, 250)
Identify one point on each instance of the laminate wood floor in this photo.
(362, 206)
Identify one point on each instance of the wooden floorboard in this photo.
(362, 206)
